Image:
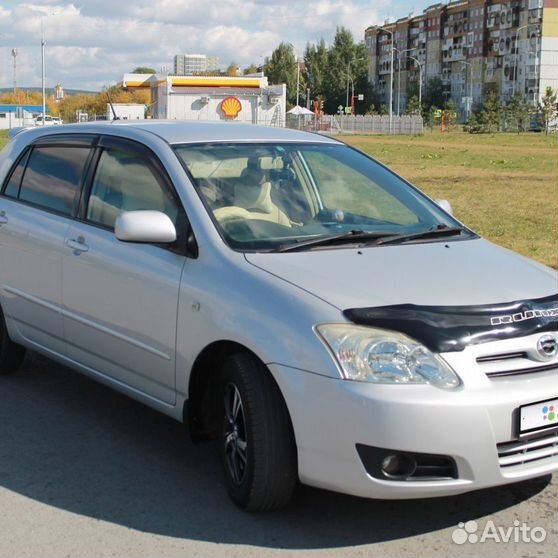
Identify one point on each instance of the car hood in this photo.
(456, 273)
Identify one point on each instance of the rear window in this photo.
(53, 176)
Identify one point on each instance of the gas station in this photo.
(248, 99)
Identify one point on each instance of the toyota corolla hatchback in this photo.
(286, 296)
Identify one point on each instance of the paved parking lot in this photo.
(85, 471)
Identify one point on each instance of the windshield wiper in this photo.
(355, 235)
(440, 230)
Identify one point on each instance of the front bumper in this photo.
(331, 416)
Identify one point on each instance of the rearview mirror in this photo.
(445, 205)
(153, 227)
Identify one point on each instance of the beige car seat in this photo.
(252, 198)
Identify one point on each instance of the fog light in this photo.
(398, 466)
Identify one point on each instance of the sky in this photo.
(91, 43)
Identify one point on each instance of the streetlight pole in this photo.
(470, 86)
(399, 53)
(43, 79)
(14, 54)
(43, 75)
(350, 78)
(398, 83)
(390, 81)
(348, 73)
(420, 79)
(516, 57)
(297, 81)
(391, 88)
(297, 73)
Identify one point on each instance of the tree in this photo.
(520, 111)
(413, 106)
(434, 94)
(143, 70)
(548, 108)
(252, 69)
(326, 71)
(232, 69)
(491, 111)
(315, 62)
(347, 65)
(475, 122)
(281, 68)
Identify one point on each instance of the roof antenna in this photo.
(115, 117)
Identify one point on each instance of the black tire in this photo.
(259, 429)
(11, 354)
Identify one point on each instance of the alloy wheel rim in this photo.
(235, 444)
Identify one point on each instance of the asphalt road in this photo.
(85, 471)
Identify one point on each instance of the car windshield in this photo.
(265, 197)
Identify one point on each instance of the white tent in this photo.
(298, 110)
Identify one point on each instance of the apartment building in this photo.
(191, 64)
(472, 46)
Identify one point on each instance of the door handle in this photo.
(3, 218)
(77, 245)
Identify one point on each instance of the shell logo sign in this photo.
(231, 106)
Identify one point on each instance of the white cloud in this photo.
(91, 43)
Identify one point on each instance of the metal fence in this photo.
(358, 124)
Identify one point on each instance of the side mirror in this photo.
(445, 205)
(149, 227)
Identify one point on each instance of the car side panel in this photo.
(120, 309)
(31, 243)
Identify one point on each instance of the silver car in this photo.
(288, 297)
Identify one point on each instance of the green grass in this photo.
(504, 186)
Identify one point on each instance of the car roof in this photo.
(179, 132)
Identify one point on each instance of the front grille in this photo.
(511, 454)
(502, 356)
(521, 371)
(513, 363)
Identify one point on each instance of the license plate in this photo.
(538, 416)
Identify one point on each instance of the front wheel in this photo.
(257, 441)
(11, 354)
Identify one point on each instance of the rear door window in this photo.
(12, 186)
(53, 177)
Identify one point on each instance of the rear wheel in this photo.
(257, 441)
(11, 354)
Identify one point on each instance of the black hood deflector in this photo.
(451, 328)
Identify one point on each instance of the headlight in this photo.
(380, 356)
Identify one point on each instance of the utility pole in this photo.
(14, 54)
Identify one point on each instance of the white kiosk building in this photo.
(248, 99)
